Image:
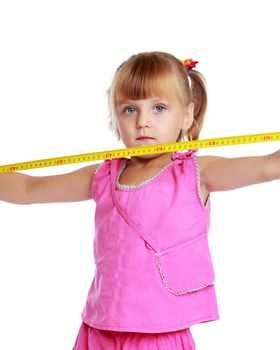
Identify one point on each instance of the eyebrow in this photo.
(123, 102)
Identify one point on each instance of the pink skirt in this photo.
(96, 339)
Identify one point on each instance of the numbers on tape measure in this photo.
(178, 146)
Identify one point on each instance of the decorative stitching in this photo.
(96, 170)
(164, 280)
(198, 183)
(141, 184)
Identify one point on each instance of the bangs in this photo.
(146, 79)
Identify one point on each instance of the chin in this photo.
(150, 156)
(147, 156)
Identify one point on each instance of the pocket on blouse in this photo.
(186, 268)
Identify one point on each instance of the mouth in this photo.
(144, 138)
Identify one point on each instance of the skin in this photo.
(156, 117)
(163, 120)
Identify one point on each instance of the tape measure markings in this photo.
(142, 150)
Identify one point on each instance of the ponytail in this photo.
(198, 91)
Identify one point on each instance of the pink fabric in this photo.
(93, 339)
(153, 267)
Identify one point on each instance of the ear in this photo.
(188, 117)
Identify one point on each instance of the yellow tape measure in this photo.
(142, 150)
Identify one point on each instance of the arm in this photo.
(19, 188)
(222, 174)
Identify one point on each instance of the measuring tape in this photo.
(142, 150)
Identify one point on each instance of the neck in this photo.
(161, 159)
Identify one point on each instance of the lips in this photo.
(144, 138)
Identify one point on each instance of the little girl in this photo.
(154, 276)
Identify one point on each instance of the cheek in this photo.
(173, 126)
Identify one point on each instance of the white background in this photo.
(56, 63)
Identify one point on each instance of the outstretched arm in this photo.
(222, 174)
(20, 188)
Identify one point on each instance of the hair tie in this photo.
(189, 63)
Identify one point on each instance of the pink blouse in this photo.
(153, 266)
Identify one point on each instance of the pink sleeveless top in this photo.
(153, 267)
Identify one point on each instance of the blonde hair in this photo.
(150, 74)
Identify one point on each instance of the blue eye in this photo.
(160, 108)
(129, 110)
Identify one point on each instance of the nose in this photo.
(142, 121)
